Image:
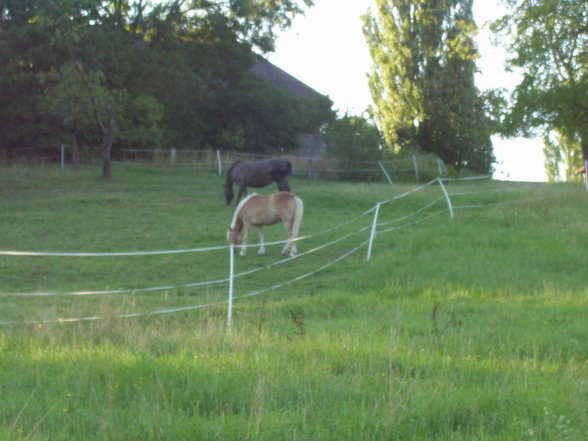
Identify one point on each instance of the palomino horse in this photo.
(260, 210)
(257, 174)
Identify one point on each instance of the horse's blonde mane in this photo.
(234, 222)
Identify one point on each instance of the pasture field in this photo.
(467, 329)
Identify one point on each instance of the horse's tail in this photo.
(229, 184)
(280, 168)
(298, 212)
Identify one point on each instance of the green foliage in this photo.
(257, 22)
(422, 82)
(562, 153)
(142, 128)
(176, 73)
(67, 100)
(256, 117)
(354, 138)
(548, 42)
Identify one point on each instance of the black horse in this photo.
(257, 174)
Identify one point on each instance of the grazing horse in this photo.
(257, 174)
(260, 210)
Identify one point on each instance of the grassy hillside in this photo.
(465, 329)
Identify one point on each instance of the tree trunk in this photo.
(106, 168)
(425, 136)
(106, 145)
(75, 151)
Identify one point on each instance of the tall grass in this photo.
(471, 329)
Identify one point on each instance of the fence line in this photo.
(498, 204)
(414, 222)
(220, 247)
(111, 254)
(408, 193)
(181, 251)
(414, 213)
(375, 228)
(194, 284)
(497, 190)
(191, 307)
(218, 153)
(217, 160)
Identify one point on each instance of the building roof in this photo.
(282, 80)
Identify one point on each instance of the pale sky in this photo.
(326, 50)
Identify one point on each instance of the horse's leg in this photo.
(290, 247)
(283, 184)
(228, 192)
(293, 249)
(261, 251)
(242, 192)
(245, 236)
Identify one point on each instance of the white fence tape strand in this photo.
(192, 284)
(446, 197)
(113, 254)
(186, 308)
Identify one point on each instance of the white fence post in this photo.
(218, 160)
(373, 233)
(446, 197)
(231, 274)
(441, 167)
(586, 174)
(385, 172)
(416, 168)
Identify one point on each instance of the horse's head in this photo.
(234, 236)
(228, 193)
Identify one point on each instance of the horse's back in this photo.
(283, 198)
(259, 173)
(261, 209)
(281, 167)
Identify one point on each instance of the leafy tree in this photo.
(256, 117)
(91, 85)
(353, 137)
(23, 55)
(422, 81)
(564, 153)
(67, 102)
(140, 73)
(257, 22)
(548, 42)
(54, 34)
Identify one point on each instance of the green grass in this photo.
(465, 329)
